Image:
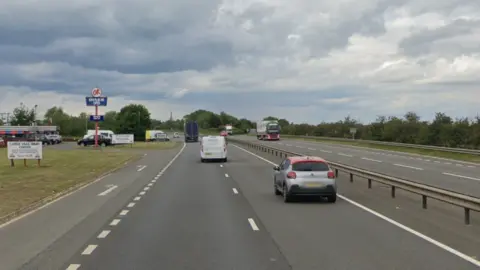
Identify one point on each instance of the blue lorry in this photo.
(191, 131)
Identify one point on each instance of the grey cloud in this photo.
(422, 42)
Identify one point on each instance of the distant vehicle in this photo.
(223, 133)
(229, 129)
(268, 130)
(2, 142)
(213, 147)
(43, 138)
(53, 138)
(156, 135)
(90, 140)
(304, 176)
(106, 133)
(176, 135)
(191, 131)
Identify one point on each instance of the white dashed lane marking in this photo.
(369, 159)
(73, 267)
(253, 224)
(115, 222)
(103, 234)
(410, 167)
(130, 205)
(88, 250)
(124, 212)
(137, 198)
(226, 175)
(462, 176)
(235, 191)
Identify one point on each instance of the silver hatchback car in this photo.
(304, 176)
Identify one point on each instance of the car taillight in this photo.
(291, 175)
(331, 175)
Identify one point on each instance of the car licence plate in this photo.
(313, 185)
(208, 154)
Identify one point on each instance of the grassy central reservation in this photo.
(61, 169)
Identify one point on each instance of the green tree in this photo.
(22, 116)
(134, 119)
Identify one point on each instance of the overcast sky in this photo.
(304, 60)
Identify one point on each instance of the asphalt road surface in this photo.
(196, 215)
(452, 175)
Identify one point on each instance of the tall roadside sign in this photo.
(95, 100)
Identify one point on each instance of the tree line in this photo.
(443, 130)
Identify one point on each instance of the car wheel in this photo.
(332, 198)
(225, 160)
(286, 197)
(82, 144)
(202, 160)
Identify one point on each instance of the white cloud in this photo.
(363, 57)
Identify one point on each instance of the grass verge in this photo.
(60, 170)
(433, 153)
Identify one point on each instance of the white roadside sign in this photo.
(25, 150)
(122, 139)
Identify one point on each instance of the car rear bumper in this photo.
(296, 190)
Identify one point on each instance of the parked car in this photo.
(90, 140)
(43, 138)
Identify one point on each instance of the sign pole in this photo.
(96, 100)
(96, 127)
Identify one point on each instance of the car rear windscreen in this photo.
(310, 166)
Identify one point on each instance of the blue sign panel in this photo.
(96, 101)
(97, 118)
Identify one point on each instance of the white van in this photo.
(213, 147)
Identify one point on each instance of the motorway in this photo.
(170, 211)
(457, 176)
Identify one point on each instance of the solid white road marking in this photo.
(369, 159)
(103, 234)
(124, 212)
(73, 267)
(252, 224)
(410, 167)
(461, 176)
(88, 250)
(141, 168)
(110, 189)
(115, 222)
(130, 205)
(235, 190)
(226, 175)
(345, 155)
(137, 198)
(391, 221)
